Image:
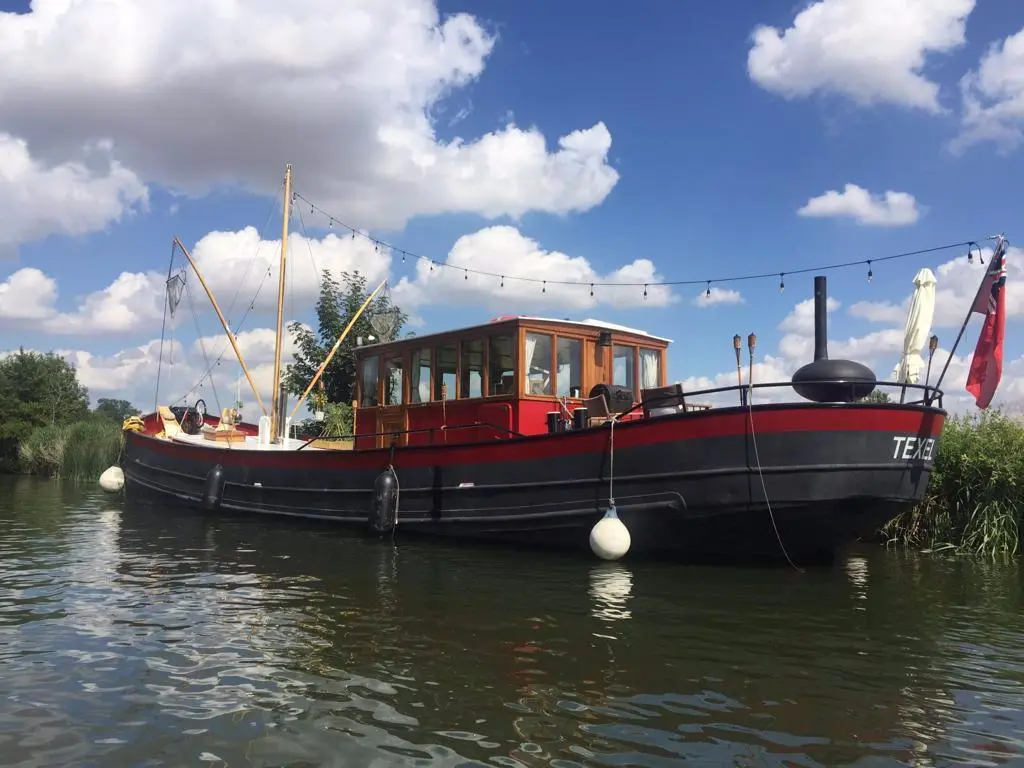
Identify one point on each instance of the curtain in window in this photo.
(650, 362)
(531, 346)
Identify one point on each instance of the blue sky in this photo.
(717, 139)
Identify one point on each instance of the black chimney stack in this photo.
(820, 318)
(830, 381)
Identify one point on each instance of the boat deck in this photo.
(251, 443)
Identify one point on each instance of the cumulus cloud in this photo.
(891, 209)
(197, 96)
(186, 374)
(503, 249)
(870, 51)
(993, 97)
(714, 296)
(70, 197)
(241, 270)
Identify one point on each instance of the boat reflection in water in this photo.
(315, 644)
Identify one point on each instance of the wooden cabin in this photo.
(495, 380)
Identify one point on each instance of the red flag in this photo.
(987, 364)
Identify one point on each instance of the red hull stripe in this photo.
(704, 425)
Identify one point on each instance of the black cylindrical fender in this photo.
(213, 489)
(384, 514)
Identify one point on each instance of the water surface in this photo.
(144, 637)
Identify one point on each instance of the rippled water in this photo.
(132, 637)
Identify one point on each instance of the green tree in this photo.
(338, 303)
(876, 396)
(109, 409)
(36, 390)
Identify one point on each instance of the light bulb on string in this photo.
(502, 282)
(645, 292)
(466, 275)
(782, 282)
(870, 273)
(591, 290)
(544, 287)
(707, 293)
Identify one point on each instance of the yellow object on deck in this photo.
(133, 424)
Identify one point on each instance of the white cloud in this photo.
(713, 296)
(72, 197)
(132, 373)
(871, 51)
(892, 209)
(880, 311)
(27, 295)
(501, 249)
(993, 97)
(801, 319)
(194, 96)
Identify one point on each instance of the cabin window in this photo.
(538, 364)
(501, 365)
(650, 368)
(393, 381)
(472, 370)
(570, 367)
(419, 376)
(623, 362)
(369, 378)
(446, 368)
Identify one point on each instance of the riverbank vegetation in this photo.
(47, 427)
(976, 495)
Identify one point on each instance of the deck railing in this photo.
(925, 395)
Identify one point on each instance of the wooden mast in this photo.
(224, 323)
(277, 429)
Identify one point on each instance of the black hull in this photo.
(698, 486)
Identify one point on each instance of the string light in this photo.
(378, 244)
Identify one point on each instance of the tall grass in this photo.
(77, 452)
(975, 499)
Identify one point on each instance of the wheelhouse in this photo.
(496, 380)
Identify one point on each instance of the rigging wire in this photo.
(707, 282)
(252, 304)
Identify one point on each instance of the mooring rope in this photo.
(764, 487)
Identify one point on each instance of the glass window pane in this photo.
(445, 372)
(419, 377)
(393, 381)
(472, 370)
(623, 361)
(538, 360)
(369, 379)
(501, 361)
(570, 368)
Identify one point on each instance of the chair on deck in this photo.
(171, 426)
(597, 410)
(663, 401)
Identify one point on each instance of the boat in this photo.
(564, 434)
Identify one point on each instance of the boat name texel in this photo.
(910, 447)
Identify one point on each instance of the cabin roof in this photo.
(589, 323)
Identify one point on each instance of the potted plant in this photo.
(319, 400)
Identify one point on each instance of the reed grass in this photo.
(975, 499)
(77, 452)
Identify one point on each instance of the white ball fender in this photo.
(112, 479)
(609, 538)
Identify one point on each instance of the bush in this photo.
(975, 498)
(78, 452)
